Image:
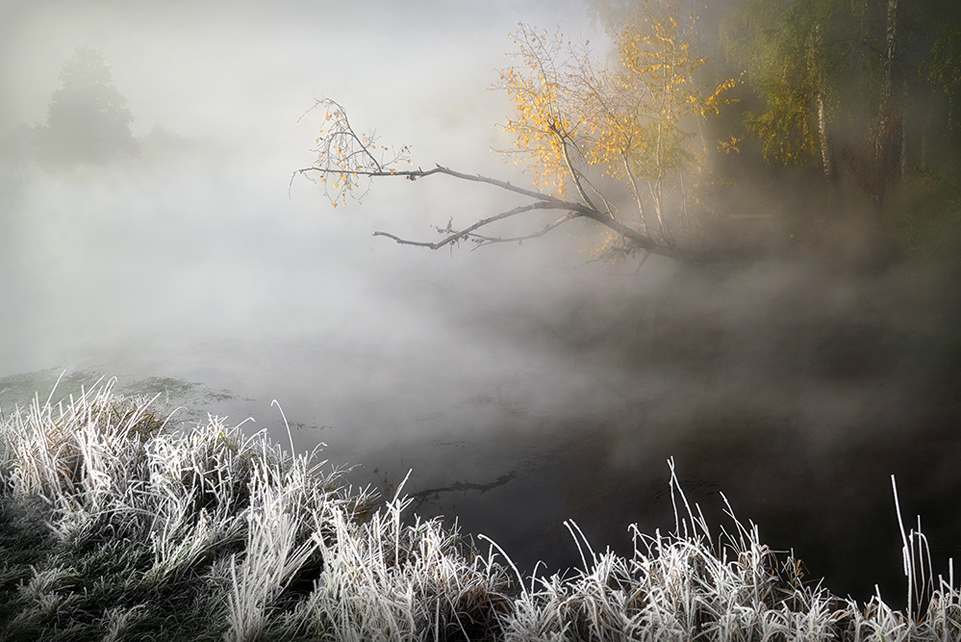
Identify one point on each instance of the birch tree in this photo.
(795, 53)
(578, 125)
(829, 67)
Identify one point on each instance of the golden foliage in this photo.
(346, 159)
(546, 112)
(627, 120)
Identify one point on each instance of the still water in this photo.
(522, 386)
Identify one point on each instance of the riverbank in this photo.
(118, 524)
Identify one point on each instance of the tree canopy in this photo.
(864, 90)
(87, 119)
(578, 125)
(846, 84)
(629, 121)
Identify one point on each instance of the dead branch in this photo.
(468, 232)
(345, 158)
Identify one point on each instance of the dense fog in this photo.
(523, 384)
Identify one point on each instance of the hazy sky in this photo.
(143, 262)
(202, 267)
(236, 76)
(245, 70)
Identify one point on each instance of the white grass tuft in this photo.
(289, 551)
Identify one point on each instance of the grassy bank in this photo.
(116, 524)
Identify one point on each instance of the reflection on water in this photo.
(796, 394)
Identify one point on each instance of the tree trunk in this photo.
(824, 137)
(889, 137)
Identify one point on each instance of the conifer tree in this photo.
(87, 120)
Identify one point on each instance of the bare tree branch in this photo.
(467, 232)
(414, 174)
(345, 158)
(575, 175)
(481, 239)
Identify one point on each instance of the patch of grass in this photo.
(115, 525)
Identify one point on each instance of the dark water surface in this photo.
(796, 390)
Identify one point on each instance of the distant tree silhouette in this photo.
(87, 120)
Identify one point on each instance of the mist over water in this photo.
(522, 385)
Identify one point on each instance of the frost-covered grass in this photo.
(115, 525)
